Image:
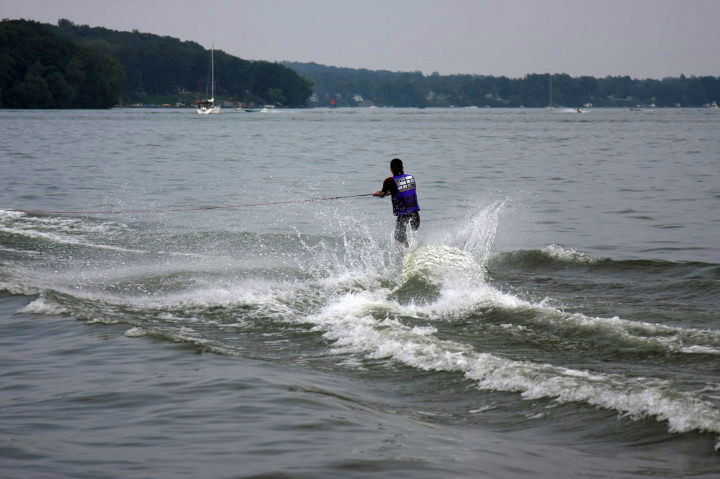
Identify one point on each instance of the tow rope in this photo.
(175, 210)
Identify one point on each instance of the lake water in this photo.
(556, 314)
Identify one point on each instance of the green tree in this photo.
(165, 66)
(32, 92)
(276, 96)
(63, 93)
(42, 70)
(696, 92)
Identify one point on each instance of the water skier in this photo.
(401, 188)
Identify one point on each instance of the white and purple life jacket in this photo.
(405, 202)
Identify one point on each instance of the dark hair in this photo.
(396, 166)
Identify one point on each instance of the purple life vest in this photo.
(405, 202)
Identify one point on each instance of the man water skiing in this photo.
(401, 188)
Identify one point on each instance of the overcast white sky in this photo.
(640, 38)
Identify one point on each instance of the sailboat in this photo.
(208, 106)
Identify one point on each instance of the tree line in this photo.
(38, 69)
(77, 66)
(354, 87)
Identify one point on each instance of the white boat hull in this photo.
(208, 111)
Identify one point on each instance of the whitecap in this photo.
(351, 326)
(43, 306)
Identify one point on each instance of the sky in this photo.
(639, 38)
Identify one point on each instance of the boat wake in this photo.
(312, 299)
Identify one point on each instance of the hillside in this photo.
(148, 67)
(77, 66)
(39, 69)
(165, 66)
(361, 87)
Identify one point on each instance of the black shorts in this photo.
(401, 225)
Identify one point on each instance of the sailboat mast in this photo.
(212, 70)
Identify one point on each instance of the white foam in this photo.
(18, 288)
(571, 255)
(56, 238)
(136, 332)
(657, 336)
(350, 323)
(441, 264)
(697, 349)
(458, 268)
(266, 297)
(61, 230)
(464, 290)
(43, 306)
(11, 213)
(63, 224)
